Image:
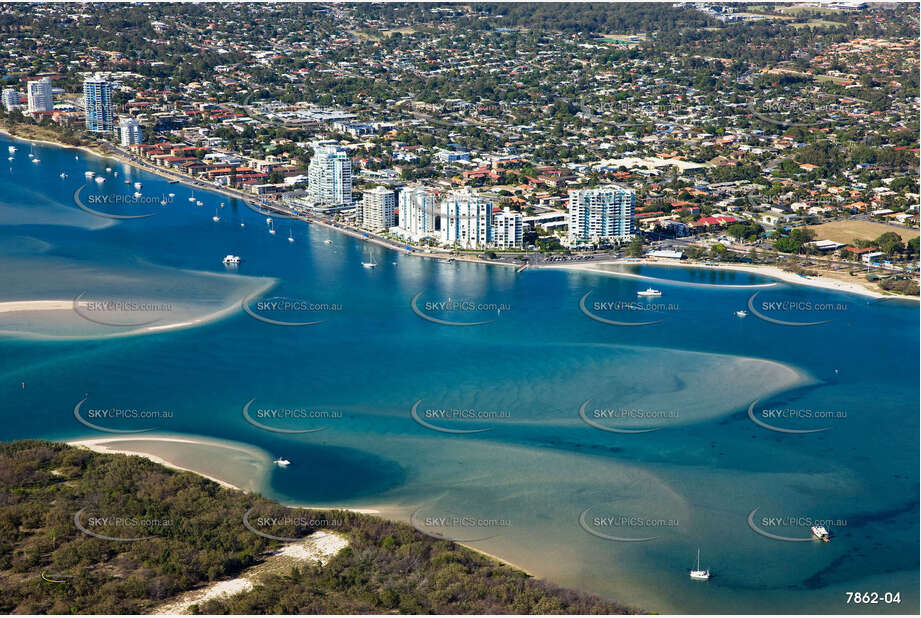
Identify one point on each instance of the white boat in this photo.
(137, 186)
(192, 199)
(116, 174)
(268, 220)
(12, 148)
(215, 218)
(163, 202)
(108, 169)
(89, 174)
(820, 533)
(370, 263)
(242, 225)
(127, 182)
(31, 155)
(10, 158)
(649, 292)
(328, 241)
(741, 313)
(231, 259)
(172, 195)
(290, 235)
(137, 194)
(76, 158)
(698, 573)
(199, 203)
(63, 175)
(100, 179)
(35, 161)
(281, 462)
(271, 227)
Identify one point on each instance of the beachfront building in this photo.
(601, 214)
(507, 229)
(129, 131)
(330, 176)
(377, 209)
(38, 95)
(418, 211)
(466, 220)
(97, 96)
(10, 99)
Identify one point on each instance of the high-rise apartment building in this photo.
(377, 209)
(603, 213)
(38, 95)
(466, 220)
(418, 211)
(330, 176)
(507, 232)
(97, 96)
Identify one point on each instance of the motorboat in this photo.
(231, 259)
(649, 292)
(741, 313)
(281, 462)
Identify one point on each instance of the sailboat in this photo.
(370, 263)
(215, 218)
(290, 235)
(271, 227)
(698, 573)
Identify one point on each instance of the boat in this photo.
(820, 533)
(35, 161)
(137, 194)
(108, 169)
(741, 313)
(370, 263)
(290, 235)
(100, 179)
(163, 202)
(698, 573)
(649, 292)
(271, 227)
(328, 241)
(116, 174)
(63, 175)
(31, 155)
(268, 220)
(172, 195)
(215, 218)
(10, 158)
(281, 462)
(127, 182)
(242, 225)
(231, 259)
(192, 199)
(89, 174)
(199, 203)
(137, 186)
(12, 148)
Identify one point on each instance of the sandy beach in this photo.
(764, 270)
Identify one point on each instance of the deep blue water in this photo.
(537, 361)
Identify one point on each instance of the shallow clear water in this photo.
(524, 376)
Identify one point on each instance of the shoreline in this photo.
(755, 269)
(764, 270)
(105, 446)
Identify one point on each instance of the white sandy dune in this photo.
(319, 547)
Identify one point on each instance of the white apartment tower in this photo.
(377, 209)
(507, 230)
(10, 99)
(466, 220)
(603, 213)
(129, 130)
(38, 93)
(418, 210)
(330, 176)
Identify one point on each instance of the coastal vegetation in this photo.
(192, 532)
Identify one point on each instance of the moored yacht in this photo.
(281, 462)
(820, 533)
(699, 573)
(649, 292)
(741, 313)
(231, 259)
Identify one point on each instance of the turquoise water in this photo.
(525, 373)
